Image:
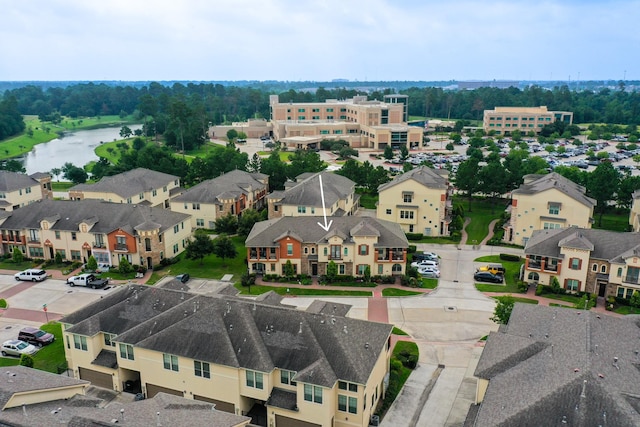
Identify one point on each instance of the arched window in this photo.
(603, 269)
(534, 276)
(594, 267)
(396, 268)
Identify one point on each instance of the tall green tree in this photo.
(199, 247)
(227, 224)
(602, 185)
(223, 248)
(247, 221)
(466, 179)
(388, 152)
(502, 312)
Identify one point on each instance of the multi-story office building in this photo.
(504, 120)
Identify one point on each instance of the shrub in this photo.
(17, 256)
(124, 267)
(3, 303)
(58, 258)
(412, 249)
(414, 236)
(539, 290)
(26, 360)
(248, 279)
(635, 299)
(523, 287)
(509, 257)
(555, 286)
(408, 360)
(92, 263)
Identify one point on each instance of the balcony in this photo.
(13, 239)
(99, 245)
(121, 247)
(633, 280)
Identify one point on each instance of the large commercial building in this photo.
(504, 120)
(279, 365)
(363, 123)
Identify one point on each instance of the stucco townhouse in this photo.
(277, 364)
(108, 231)
(19, 189)
(230, 193)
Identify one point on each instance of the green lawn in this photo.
(394, 292)
(282, 290)
(110, 151)
(522, 300)
(483, 211)
(211, 266)
(429, 283)
(49, 358)
(61, 185)
(627, 309)
(8, 264)
(398, 331)
(573, 299)
(284, 155)
(613, 221)
(368, 200)
(490, 287)
(97, 122)
(21, 144)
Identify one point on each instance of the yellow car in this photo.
(493, 269)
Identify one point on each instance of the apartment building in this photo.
(547, 202)
(552, 366)
(504, 120)
(361, 122)
(18, 189)
(108, 231)
(137, 186)
(634, 213)
(277, 364)
(606, 263)
(304, 197)
(418, 200)
(352, 243)
(230, 193)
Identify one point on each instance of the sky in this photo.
(319, 40)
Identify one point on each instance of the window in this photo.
(199, 222)
(344, 385)
(312, 393)
(572, 284)
(176, 228)
(129, 200)
(57, 233)
(407, 198)
(575, 263)
(603, 269)
(74, 235)
(154, 192)
(594, 267)
(170, 362)
(364, 250)
(406, 214)
(195, 206)
(551, 226)
(62, 253)
(302, 209)
(75, 256)
(388, 211)
(341, 269)
(254, 379)
(619, 273)
(286, 377)
(126, 351)
(335, 252)
(380, 269)
(141, 196)
(346, 251)
(109, 339)
(164, 189)
(36, 252)
(300, 110)
(289, 248)
(80, 342)
(175, 248)
(554, 209)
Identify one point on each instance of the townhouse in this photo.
(108, 231)
(504, 120)
(19, 189)
(230, 193)
(352, 243)
(546, 202)
(304, 197)
(279, 365)
(361, 122)
(418, 200)
(137, 186)
(634, 213)
(606, 263)
(552, 366)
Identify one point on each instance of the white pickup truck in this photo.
(88, 280)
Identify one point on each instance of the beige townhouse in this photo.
(19, 189)
(304, 197)
(547, 202)
(361, 122)
(634, 213)
(602, 262)
(108, 231)
(352, 243)
(418, 200)
(277, 364)
(504, 120)
(230, 193)
(137, 186)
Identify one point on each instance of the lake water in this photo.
(75, 147)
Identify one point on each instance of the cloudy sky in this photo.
(362, 40)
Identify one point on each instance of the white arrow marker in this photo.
(324, 210)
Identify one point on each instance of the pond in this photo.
(74, 147)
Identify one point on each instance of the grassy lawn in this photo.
(284, 155)
(521, 299)
(398, 331)
(436, 240)
(512, 268)
(282, 290)
(211, 266)
(394, 292)
(627, 309)
(613, 221)
(96, 122)
(483, 211)
(368, 200)
(490, 287)
(61, 185)
(110, 151)
(49, 358)
(573, 299)
(21, 144)
(10, 265)
(429, 283)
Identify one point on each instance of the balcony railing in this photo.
(632, 280)
(99, 245)
(121, 247)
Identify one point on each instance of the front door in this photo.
(314, 269)
(602, 290)
(149, 263)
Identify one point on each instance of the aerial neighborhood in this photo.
(321, 262)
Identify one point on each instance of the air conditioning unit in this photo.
(374, 421)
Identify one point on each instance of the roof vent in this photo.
(300, 329)
(231, 326)
(615, 363)
(344, 329)
(366, 345)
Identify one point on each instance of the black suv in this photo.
(36, 336)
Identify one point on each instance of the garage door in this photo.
(220, 405)
(153, 389)
(290, 422)
(98, 379)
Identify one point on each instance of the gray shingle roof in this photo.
(306, 192)
(555, 181)
(128, 184)
(265, 233)
(12, 181)
(551, 363)
(105, 216)
(230, 185)
(82, 411)
(424, 175)
(603, 244)
(239, 333)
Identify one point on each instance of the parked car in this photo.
(423, 263)
(88, 280)
(496, 269)
(32, 274)
(424, 256)
(17, 348)
(35, 336)
(429, 273)
(184, 277)
(485, 276)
